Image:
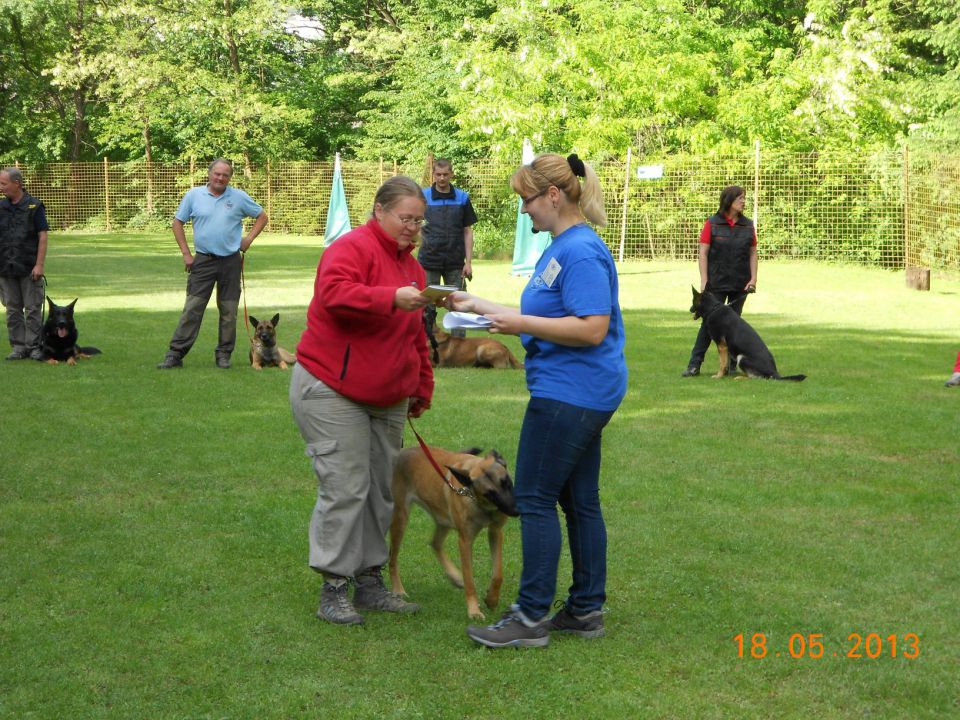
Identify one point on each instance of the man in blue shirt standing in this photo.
(217, 212)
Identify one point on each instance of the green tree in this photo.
(936, 92)
(42, 118)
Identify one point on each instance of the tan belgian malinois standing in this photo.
(487, 503)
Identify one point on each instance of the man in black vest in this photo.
(23, 249)
(447, 251)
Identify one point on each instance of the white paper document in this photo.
(465, 320)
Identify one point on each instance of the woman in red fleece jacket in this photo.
(362, 366)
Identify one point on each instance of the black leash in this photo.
(43, 304)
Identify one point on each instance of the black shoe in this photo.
(223, 362)
(171, 361)
(691, 371)
(585, 626)
(18, 355)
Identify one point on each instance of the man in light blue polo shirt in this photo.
(216, 211)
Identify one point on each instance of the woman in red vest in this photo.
(728, 263)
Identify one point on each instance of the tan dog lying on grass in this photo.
(264, 351)
(488, 504)
(452, 351)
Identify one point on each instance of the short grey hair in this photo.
(220, 161)
(14, 174)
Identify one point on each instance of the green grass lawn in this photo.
(153, 525)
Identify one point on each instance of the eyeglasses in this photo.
(528, 200)
(409, 221)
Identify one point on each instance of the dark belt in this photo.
(221, 257)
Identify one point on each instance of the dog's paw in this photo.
(491, 600)
(475, 614)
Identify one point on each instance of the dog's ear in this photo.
(50, 303)
(253, 320)
(70, 306)
(460, 475)
(276, 319)
(497, 457)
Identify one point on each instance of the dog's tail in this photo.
(514, 363)
(795, 378)
(89, 350)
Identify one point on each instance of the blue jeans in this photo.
(558, 461)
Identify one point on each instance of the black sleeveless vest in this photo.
(19, 239)
(728, 262)
(443, 247)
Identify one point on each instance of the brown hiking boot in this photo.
(335, 606)
(372, 594)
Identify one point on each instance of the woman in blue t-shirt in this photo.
(570, 324)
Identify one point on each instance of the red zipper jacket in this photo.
(356, 341)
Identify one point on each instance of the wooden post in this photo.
(906, 207)
(918, 278)
(395, 168)
(428, 171)
(381, 170)
(192, 169)
(756, 186)
(269, 195)
(646, 221)
(106, 192)
(626, 197)
(149, 165)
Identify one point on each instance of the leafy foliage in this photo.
(148, 79)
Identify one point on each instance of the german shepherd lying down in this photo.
(489, 504)
(452, 351)
(735, 338)
(58, 336)
(264, 351)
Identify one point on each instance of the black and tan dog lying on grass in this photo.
(264, 351)
(452, 351)
(58, 336)
(736, 339)
(487, 503)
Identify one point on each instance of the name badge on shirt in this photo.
(550, 273)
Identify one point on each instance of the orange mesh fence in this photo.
(889, 209)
